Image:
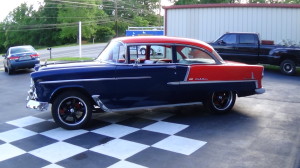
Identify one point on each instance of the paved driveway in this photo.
(262, 131)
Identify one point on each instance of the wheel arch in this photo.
(288, 57)
(70, 88)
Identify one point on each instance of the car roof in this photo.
(164, 39)
(23, 46)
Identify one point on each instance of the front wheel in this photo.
(288, 67)
(71, 110)
(220, 102)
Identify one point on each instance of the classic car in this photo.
(187, 71)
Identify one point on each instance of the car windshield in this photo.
(112, 52)
(16, 50)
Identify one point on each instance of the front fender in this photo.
(276, 55)
(64, 88)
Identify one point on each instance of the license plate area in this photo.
(24, 58)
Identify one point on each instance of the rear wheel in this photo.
(143, 51)
(221, 101)
(71, 110)
(9, 71)
(288, 67)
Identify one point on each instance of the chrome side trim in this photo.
(95, 79)
(187, 73)
(140, 77)
(207, 82)
(153, 107)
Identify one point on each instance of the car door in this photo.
(247, 49)
(191, 58)
(226, 46)
(144, 80)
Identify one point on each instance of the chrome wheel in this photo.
(143, 51)
(71, 110)
(288, 67)
(221, 101)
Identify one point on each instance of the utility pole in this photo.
(79, 39)
(116, 17)
(160, 18)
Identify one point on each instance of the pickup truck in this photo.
(247, 48)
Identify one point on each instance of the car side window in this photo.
(150, 54)
(229, 39)
(192, 55)
(161, 54)
(248, 39)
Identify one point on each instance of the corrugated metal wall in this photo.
(208, 24)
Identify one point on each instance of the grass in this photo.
(71, 59)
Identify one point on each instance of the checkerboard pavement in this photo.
(114, 140)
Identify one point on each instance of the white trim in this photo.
(207, 82)
(95, 79)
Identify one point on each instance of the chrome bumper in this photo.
(260, 91)
(41, 106)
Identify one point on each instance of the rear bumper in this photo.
(41, 106)
(260, 91)
(24, 64)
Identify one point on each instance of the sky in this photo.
(7, 6)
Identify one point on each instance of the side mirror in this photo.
(221, 42)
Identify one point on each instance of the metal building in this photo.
(207, 22)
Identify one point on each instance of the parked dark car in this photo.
(248, 48)
(20, 57)
(185, 72)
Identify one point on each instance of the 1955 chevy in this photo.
(186, 71)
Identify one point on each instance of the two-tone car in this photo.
(187, 71)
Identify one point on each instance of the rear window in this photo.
(21, 50)
(247, 39)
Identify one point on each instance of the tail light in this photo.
(34, 55)
(13, 58)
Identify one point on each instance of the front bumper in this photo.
(41, 106)
(260, 91)
(32, 100)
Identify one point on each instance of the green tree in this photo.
(17, 26)
(71, 13)
(47, 16)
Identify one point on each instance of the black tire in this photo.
(72, 110)
(220, 102)
(151, 51)
(10, 71)
(288, 67)
(143, 51)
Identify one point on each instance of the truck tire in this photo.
(288, 67)
(220, 102)
(143, 51)
(71, 110)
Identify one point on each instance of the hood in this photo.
(68, 65)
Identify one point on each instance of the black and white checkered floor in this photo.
(115, 140)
